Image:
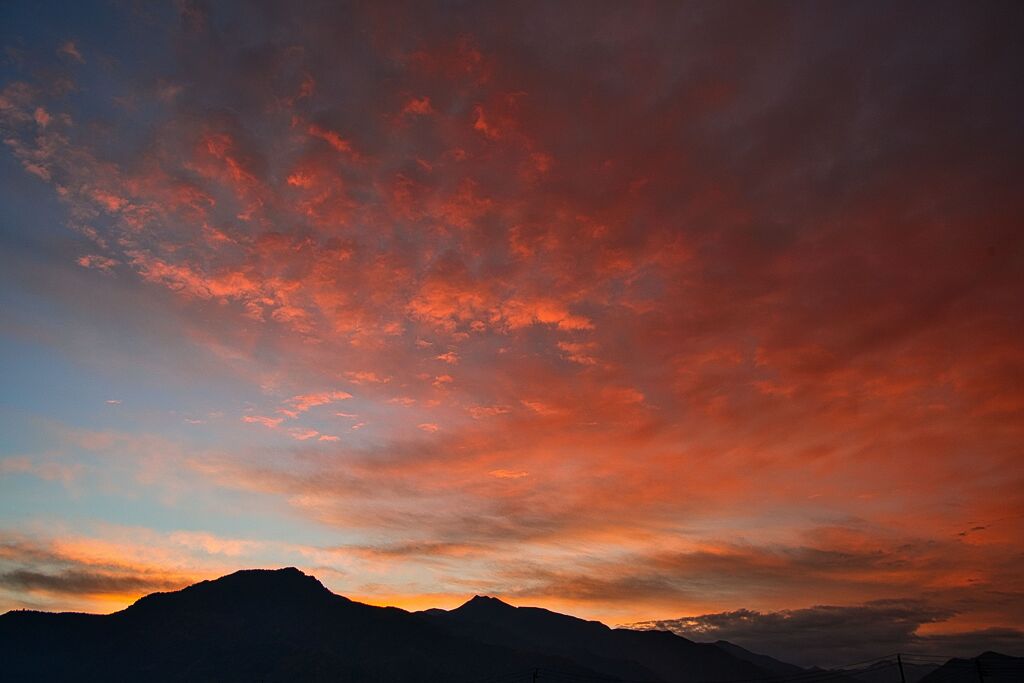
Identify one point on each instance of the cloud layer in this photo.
(636, 311)
(837, 636)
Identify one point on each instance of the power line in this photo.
(876, 664)
(821, 676)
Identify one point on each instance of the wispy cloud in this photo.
(70, 49)
(474, 314)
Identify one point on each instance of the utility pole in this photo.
(536, 675)
(899, 660)
(977, 665)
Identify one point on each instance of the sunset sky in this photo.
(635, 311)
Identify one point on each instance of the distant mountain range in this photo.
(988, 667)
(282, 625)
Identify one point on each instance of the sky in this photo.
(700, 315)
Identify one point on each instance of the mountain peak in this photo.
(484, 603)
(284, 624)
(247, 587)
(283, 574)
(286, 579)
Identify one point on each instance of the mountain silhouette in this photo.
(282, 625)
(888, 671)
(279, 625)
(629, 654)
(764, 661)
(992, 667)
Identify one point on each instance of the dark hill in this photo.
(887, 671)
(635, 655)
(764, 661)
(994, 668)
(251, 625)
(282, 625)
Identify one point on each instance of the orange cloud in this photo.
(509, 474)
(300, 404)
(270, 422)
(697, 354)
(332, 138)
(418, 107)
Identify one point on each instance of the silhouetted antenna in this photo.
(899, 661)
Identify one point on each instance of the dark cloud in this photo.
(34, 568)
(81, 582)
(833, 635)
(721, 573)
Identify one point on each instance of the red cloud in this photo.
(697, 299)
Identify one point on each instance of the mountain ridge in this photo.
(285, 625)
